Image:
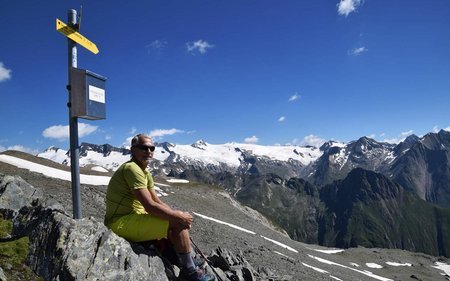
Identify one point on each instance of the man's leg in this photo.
(180, 239)
(182, 244)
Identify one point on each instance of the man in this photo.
(136, 213)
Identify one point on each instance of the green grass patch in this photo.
(5, 227)
(13, 255)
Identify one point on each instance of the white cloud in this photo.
(164, 132)
(23, 149)
(157, 47)
(157, 44)
(127, 142)
(155, 134)
(281, 119)
(312, 140)
(393, 141)
(133, 131)
(372, 136)
(85, 129)
(436, 129)
(19, 148)
(252, 139)
(345, 7)
(5, 73)
(358, 51)
(447, 129)
(400, 138)
(294, 97)
(200, 46)
(56, 132)
(61, 132)
(405, 134)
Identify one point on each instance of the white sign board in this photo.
(96, 94)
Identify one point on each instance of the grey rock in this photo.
(16, 193)
(2, 275)
(234, 267)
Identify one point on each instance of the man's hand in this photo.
(184, 219)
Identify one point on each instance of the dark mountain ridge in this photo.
(425, 168)
(368, 209)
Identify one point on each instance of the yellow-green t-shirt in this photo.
(120, 199)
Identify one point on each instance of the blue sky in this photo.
(266, 72)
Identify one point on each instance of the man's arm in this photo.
(156, 198)
(157, 208)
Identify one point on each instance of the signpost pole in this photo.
(73, 124)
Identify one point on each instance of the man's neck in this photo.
(142, 166)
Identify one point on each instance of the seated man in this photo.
(136, 213)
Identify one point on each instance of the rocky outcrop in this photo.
(62, 248)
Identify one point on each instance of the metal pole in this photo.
(73, 125)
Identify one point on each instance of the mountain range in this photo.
(39, 240)
(361, 193)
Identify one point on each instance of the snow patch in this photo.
(315, 268)
(367, 273)
(230, 154)
(162, 184)
(224, 223)
(373, 265)
(159, 191)
(99, 169)
(281, 254)
(330, 251)
(280, 244)
(52, 172)
(54, 154)
(112, 162)
(398, 264)
(177, 181)
(442, 266)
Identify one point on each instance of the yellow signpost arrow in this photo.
(75, 36)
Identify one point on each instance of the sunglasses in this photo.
(145, 147)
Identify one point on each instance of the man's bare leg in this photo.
(181, 241)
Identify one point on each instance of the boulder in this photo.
(62, 248)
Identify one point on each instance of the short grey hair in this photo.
(135, 139)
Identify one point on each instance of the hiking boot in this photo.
(197, 275)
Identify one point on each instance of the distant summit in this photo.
(104, 149)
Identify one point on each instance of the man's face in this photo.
(143, 151)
